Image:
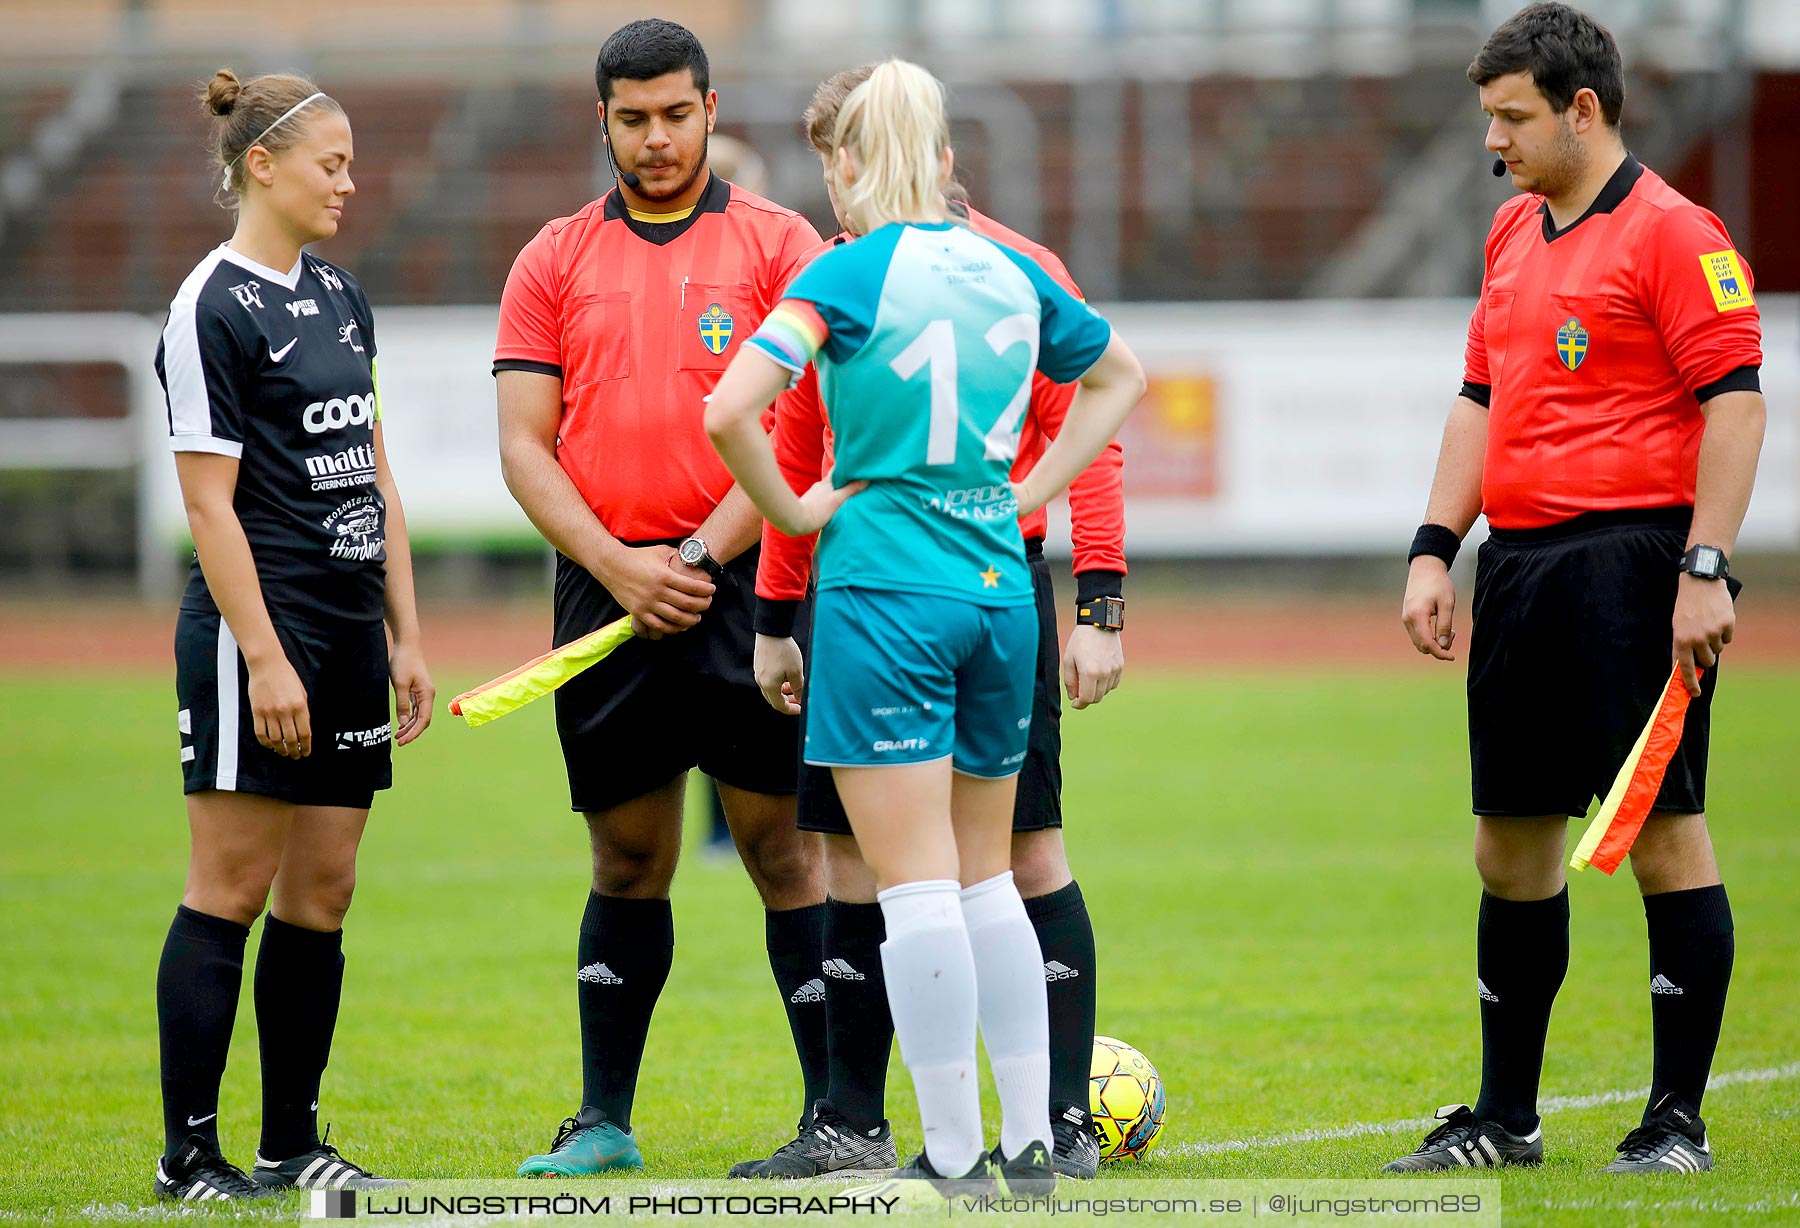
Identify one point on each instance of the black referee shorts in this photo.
(1038, 804)
(1572, 648)
(655, 708)
(345, 672)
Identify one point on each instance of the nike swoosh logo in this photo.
(201, 1121)
(278, 355)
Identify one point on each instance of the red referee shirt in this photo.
(1594, 346)
(639, 319)
(1096, 497)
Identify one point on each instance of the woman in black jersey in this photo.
(282, 657)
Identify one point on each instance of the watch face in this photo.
(692, 551)
(1707, 559)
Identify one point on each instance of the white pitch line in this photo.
(1549, 1104)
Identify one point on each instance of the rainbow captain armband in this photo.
(1609, 837)
(792, 334)
(537, 678)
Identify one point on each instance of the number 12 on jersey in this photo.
(935, 347)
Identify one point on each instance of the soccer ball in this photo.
(1125, 1096)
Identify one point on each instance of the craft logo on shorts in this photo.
(715, 328)
(339, 412)
(1725, 278)
(248, 293)
(883, 744)
(356, 530)
(364, 739)
(328, 276)
(1572, 343)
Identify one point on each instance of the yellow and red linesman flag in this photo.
(536, 679)
(1608, 838)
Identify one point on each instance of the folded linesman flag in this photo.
(536, 679)
(1608, 838)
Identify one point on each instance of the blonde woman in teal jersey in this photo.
(924, 635)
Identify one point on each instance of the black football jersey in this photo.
(278, 370)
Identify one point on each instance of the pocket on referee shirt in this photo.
(596, 330)
(1589, 330)
(713, 322)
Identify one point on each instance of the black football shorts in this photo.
(1571, 650)
(655, 708)
(344, 669)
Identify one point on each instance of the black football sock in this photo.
(794, 937)
(623, 959)
(299, 982)
(1691, 951)
(856, 1011)
(1521, 957)
(1066, 934)
(197, 987)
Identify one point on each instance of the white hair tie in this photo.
(285, 116)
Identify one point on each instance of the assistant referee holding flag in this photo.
(1608, 427)
(615, 325)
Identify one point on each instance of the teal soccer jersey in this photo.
(926, 337)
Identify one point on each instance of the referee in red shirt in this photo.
(1608, 428)
(615, 325)
(848, 1131)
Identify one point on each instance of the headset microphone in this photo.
(625, 177)
(1499, 169)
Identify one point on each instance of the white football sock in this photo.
(931, 994)
(1014, 1011)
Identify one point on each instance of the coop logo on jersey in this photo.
(353, 410)
(328, 276)
(715, 328)
(355, 528)
(303, 307)
(336, 470)
(1725, 278)
(1572, 343)
(347, 336)
(248, 293)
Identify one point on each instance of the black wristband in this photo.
(1093, 585)
(1437, 541)
(774, 617)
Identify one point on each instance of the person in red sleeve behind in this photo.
(615, 325)
(848, 1131)
(1608, 428)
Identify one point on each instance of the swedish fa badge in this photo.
(1571, 343)
(715, 328)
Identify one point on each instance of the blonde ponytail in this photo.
(894, 129)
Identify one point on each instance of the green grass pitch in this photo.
(1278, 866)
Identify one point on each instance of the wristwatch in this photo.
(1106, 613)
(694, 553)
(1706, 563)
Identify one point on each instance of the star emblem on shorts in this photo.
(990, 578)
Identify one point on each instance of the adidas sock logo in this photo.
(1662, 984)
(812, 991)
(841, 970)
(1487, 995)
(1055, 970)
(599, 974)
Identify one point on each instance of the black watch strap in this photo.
(706, 562)
(1106, 613)
(1706, 563)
